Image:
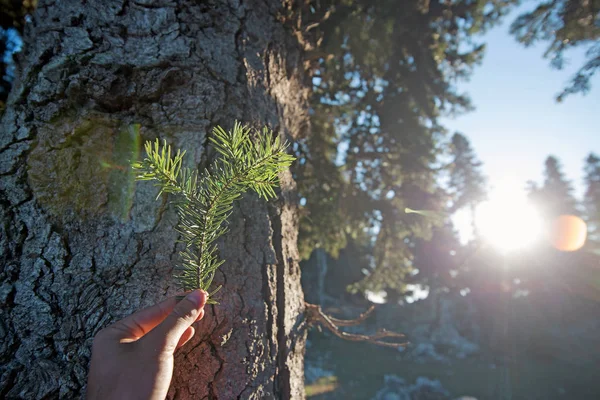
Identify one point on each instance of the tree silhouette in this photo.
(565, 24)
(555, 197)
(591, 199)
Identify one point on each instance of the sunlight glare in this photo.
(508, 221)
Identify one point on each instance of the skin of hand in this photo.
(133, 358)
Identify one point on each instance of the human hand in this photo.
(133, 358)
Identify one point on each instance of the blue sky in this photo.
(517, 123)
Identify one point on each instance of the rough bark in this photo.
(81, 245)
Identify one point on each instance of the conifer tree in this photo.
(565, 24)
(384, 75)
(591, 199)
(555, 196)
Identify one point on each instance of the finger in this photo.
(141, 322)
(201, 315)
(167, 334)
(187, 335)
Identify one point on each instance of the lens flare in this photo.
(568, 233)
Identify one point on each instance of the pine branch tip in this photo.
(204, 200)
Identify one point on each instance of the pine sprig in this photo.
(204, 200)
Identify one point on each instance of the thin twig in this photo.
(352, 322)
(314, 316)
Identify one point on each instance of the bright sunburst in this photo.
(508, 221)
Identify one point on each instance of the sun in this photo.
(508, 221)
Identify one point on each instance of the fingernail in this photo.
(198, 297)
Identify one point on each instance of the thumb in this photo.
(166, 335)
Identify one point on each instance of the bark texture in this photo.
(81, 245)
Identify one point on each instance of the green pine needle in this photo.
(204, 200)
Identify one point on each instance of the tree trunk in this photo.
(81, 245)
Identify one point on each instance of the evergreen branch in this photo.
(204, 201)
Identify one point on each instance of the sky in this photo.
(517, 123)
